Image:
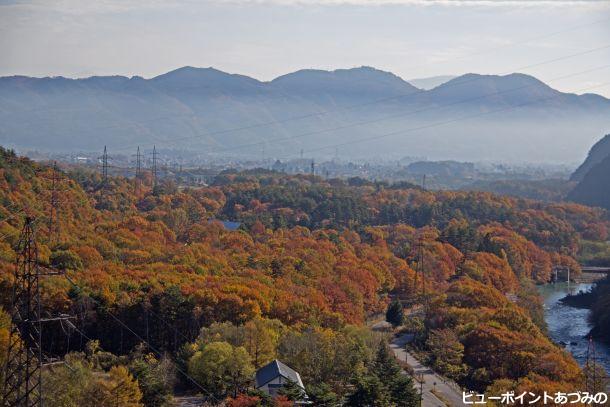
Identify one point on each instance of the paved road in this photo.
(448, 393)
(188, 401)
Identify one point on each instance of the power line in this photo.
(437, 124)
(54, 209)
(476, 53)
(22, 385)
(125, 326)
(22, 374)
(431, 108)
(12, 216)
(364, 104)
(55, 202)
(405, 114)
(521, 42)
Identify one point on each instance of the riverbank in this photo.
(570, 326)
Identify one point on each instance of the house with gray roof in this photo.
(274, 375)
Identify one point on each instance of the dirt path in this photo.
(448, 395)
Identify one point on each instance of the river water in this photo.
(570, 325)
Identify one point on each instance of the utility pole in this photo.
(421, 388)
(313, 167)
(25, 360)
(54, 210)
(591, 368)
(22, 380)
(422, 267)
(595, 377)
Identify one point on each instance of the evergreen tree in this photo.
(394, 314)
(399, 385)
(292, 391)
(265, 400)
(322, 395)
(369, 391)
(383, 385)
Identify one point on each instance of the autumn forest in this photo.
(167, 299)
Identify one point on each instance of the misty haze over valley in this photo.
(352, 112)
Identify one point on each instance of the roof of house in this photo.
(227, 224)
(274, 369)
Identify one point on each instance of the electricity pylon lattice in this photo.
(22, 375)
(22, 385)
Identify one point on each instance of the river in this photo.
(570, 325)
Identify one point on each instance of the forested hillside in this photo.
(312, 260)
(593, 178)
(594, 188)
(597, 154)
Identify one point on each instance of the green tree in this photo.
(221, 368)
(447, 353)
(261, 337)
(322, 395)
(156, 378)
(292, 391)
(368, 391)
(384, 384)
(394, 314)
(399, 385)
(265, 400)
(66, 260)
(117, 388)
(461, 235)
(67, 386)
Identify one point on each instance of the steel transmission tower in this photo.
(25, 359)
(154, 166)
(105, 165)
(595, 379)
(54, 211)
(22, 375)
(138, 171)
(422, 267)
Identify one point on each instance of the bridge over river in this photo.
(594, 269)
(591, 274)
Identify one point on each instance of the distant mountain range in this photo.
(431, 82)
(206, 111)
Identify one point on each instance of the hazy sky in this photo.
(267, 38)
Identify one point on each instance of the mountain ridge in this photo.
(598, 152)
(71, 112)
